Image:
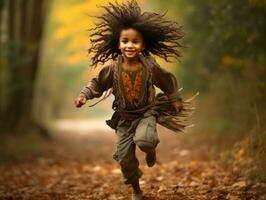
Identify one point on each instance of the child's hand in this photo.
(80, 100)
(177, 105)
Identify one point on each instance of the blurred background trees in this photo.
(45, 55)
(22, 23)
(225, 60)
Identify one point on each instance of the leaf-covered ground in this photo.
(78, 165)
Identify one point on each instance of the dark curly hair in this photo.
(160, 36)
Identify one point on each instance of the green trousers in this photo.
(140, 132)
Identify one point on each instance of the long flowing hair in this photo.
(160, 35)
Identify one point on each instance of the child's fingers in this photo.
(80, 101)
(76, 103)
(83, 100)
(177, 105)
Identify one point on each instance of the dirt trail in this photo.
(78, 165)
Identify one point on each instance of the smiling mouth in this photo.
(130, 52)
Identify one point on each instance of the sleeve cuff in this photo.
(86, 92)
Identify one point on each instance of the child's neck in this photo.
(132, 64)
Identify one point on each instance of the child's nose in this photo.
(130, 44)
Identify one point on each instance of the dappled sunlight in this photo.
(82, 126)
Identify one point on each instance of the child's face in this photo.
(130, 43)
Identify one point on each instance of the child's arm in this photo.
(96, 86)
(167, 82)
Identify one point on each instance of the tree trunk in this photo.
(31, 50)
(25, 27)
(1, 57)
(1, 16)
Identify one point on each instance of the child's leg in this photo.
(125, 156)
(136, 187)
(146, 137)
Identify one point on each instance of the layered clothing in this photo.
(138, 108)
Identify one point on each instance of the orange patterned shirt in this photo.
(131, 87)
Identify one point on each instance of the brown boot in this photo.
(150, 158)
(137, 196)
(136, 193)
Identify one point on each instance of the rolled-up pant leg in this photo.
(126, 157)
(146, 136)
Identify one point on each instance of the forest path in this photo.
(78, 165)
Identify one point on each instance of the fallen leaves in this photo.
(240, 184)
(70, 175)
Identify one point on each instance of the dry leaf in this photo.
(240, 184)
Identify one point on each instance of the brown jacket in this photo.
(110, 78)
